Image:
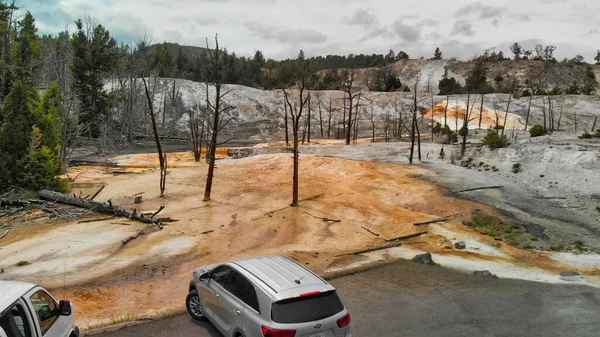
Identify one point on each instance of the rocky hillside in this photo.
(258, 114)
(562, 75)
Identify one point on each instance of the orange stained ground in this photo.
(250, 215)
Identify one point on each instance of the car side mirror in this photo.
(205, 276)
(65, 308)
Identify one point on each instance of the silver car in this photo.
(270, 296)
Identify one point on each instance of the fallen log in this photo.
(207, 232)
(97, 206)
(79, 162)
(3, 235)
(430, 222)
(368, 250)
(404, 237)
(97, 192)
(479, 188)
(370, 230)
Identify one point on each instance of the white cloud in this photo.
(281, 27)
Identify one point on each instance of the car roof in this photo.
(282, 276)
(11, 291)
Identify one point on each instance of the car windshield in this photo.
(306, 309)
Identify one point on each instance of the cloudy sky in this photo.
(280, 28)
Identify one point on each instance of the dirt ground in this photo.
(249, 215)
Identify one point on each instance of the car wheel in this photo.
(194, 307)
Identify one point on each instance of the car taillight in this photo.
(344, 321)
(270, 332)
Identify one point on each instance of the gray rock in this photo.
(570, 276)
(483, 273)
(423, 258)
(460, 245)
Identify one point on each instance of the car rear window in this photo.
(306, 309)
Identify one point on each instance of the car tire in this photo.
(194, 307)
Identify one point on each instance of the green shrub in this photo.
(597, 134)
(22, 263)
(586, 135)
(516, 168)
(494, 140)
(537, 131)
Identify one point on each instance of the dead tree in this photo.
(319, 96)
(481, 110)
(285, 118)
(463, 147)
(309, 116)
(217, 111)
(507, 109)
(162, 158)
(349, 76)
(329, 117)
(196, 126)
(296, 111)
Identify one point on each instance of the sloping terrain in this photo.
(250, 215)
(259, 115)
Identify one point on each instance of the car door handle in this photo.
(237, 312)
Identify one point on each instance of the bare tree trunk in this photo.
(481, 111)
(320, 116)
(287, 139)
(528, 111)
(463, 147)
(330, 113)
(161, 156)
(560, 116)
(594, 124)
(309, 116)
(432, 120)
(544, 112)
(506, 114)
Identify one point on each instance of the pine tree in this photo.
(42, 166)
(15, 133)
(437, 54)
(93, 60)
(26, 51)
(597, 58)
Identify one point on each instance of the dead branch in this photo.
(370, 231)
(479, 188)
(159, 210)
(96, 220)
(324, 219)
(97, 192)
(430, 221)
(391, 245)
(3, 235)
(120, 223)
(207, 232)
(404, 237)
(135, 236)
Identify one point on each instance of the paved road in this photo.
(406, 299)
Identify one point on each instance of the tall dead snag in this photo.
(415, 134)
(349, 76)
(196, 127)
(481, 110)
(319, 95)
(162, 158)
(295, 111)
(465, 127)
(507, 109)
(215, 77)
(285, 118)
